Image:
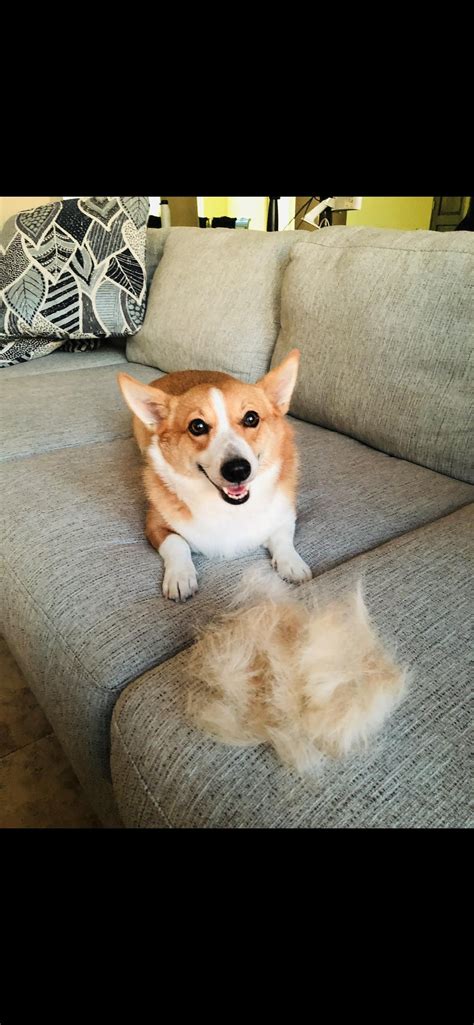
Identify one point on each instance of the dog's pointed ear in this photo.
(279, 383)
(151, 405)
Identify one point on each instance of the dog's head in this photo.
(229, 431)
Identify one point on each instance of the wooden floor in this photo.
(38, 788)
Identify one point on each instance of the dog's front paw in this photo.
(290, 566)
(180, 584)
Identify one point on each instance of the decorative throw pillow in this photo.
(72, 270)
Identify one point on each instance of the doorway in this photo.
(448, 211)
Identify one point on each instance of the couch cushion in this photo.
(214, 302)
(109, 352)
(39, 413)
(384, 322)
(155, 247)
(82, 608)
(414, 775)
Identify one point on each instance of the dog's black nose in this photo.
(236, 470)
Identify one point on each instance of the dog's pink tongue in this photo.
(236, 490)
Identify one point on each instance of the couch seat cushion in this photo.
(42, 411)
(108, 352)
(414, 775)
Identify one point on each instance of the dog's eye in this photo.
(251, 419)
(198, 427)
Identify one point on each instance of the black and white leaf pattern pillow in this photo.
(72, 270)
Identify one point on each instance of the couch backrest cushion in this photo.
(385, 324)
(214, 302)
(155, 247)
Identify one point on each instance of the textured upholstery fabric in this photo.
(82, 608)
(214, 302)
(109, 352)
(74, 269)
(155, 246)
(415, 774)
(385, 324)
(41, 413)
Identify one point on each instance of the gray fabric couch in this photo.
(82, 609)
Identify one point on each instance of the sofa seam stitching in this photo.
(63, 448)
(137, 772)
(396, 537)
(392, 249)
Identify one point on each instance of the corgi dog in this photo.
(220, 469)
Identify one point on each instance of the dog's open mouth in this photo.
(236, 494)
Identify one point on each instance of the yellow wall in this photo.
(10, 205)
(254, 207)
(403, 212)
(212, 206)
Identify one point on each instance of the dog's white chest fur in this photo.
(216, 528)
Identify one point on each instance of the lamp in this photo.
(336, 203)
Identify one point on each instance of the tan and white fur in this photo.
(312, 680)
(220, 469)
